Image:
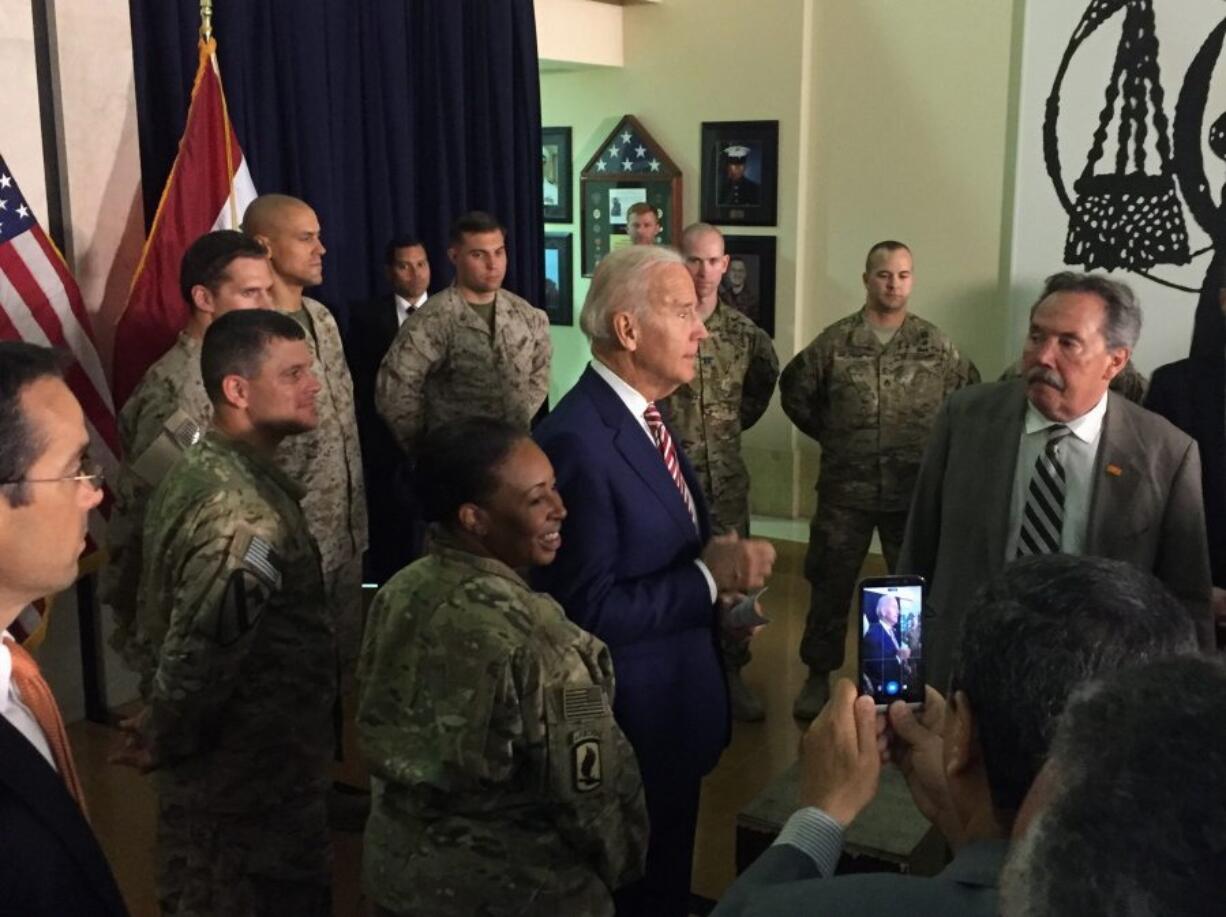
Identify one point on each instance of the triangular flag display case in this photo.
(628, 167)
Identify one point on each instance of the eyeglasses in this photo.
(90, 473)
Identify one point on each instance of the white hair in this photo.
(620, 285)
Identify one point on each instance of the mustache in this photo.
(1046, 376)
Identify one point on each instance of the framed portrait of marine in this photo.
(740, 173)
(556, 175)
(559, 291)
(749, 283)
(627, 169)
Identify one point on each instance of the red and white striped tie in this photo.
(664, 442)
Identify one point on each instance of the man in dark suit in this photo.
(50, 863)
(396, 528)
(881, 650)
(1191, 394)
(637, 566)
(1038, 630)
(1052, 461)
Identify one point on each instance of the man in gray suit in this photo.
(1052, 461)
(1038, 630)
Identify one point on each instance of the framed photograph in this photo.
(559, 291)
(556, 176)
(628, 168)
(749, 284)
(740, 172)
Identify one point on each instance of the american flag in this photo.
(628, 154)
(40, 303)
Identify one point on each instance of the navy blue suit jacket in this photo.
(50, 862)
(880, 655)
(626, 573)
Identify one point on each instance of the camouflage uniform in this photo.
(734, 379)
(1129, 381)
(239, 712)
(871, 407)
(502, 785)
(446, 365)
(167, 413)
(327, 462)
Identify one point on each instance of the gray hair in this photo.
(1122, 322)
(620, 285)
(1037, 631)
(1136, 823)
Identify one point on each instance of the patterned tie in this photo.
(1043, 517)
(664, 442)
(36, 695)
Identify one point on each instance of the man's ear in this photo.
(625, 330)
(202, 299)
(1118, 360)
(473, 519)
(236, 390)
(452, 253)
(962, 734)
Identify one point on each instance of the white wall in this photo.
(1040, 224)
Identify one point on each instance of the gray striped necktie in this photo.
(1043, 516)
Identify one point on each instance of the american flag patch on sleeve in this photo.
(183, 430)
(583, 703)
(257, 555)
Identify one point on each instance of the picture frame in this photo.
(557, 176)
(559, 269)
(627, 168)
(740, 173)
(749, 283)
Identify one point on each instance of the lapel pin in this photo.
(1114, 470)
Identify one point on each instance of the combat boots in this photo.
(745, 707)
(813, 696)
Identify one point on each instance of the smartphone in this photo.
(891, 665)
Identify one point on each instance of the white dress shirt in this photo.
(1076, 453)
(14, 710)
(405, 308)
(636, 404)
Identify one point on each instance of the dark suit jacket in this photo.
(880, 656)
(626, 573)
(784, 882)
(50, 862)
(396, 529)
(1191, 394)
(1145, 509)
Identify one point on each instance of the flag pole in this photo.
(206, 20)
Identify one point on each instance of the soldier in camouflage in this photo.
(502, 783)
(473, 350)
(327, 461)
(168, 412)
(867, 389)
(734, 379)
(237, 727)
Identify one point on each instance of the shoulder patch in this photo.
(178, 434)
(583, 703)
(256, 554)
(587, 770)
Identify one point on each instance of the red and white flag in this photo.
(209, 188)
(40, 303)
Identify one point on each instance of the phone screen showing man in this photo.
(891, 639)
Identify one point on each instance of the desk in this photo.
(890, 835)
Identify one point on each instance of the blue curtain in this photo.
(387, 116)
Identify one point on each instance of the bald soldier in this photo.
(734, 379)
(326, 461)
(168, 412)
(868, 389)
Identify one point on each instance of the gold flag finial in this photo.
(206, 20)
